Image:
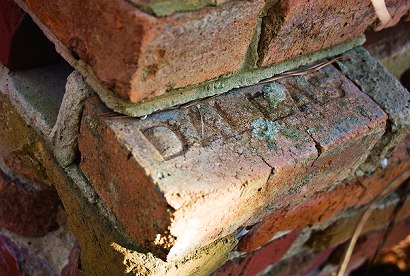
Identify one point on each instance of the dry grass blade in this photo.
(349, 250)
(381, 11)
(390, 225)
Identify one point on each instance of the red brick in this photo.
(73, 266)
(324, 205)
(257, 261)
(8, 262)
(16, 260)
(25, 209)
(197, 173)
(367, 244)
(22, 45)
(304, 263)
(294, 27)
(140, 56)
(342, 229)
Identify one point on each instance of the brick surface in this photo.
(387, 92)
(323, 206)
(200, 172)
(304, 263)
(366, 247)
(23, 152)
(25, 209)
(22, 45)
(140, 56)
(342, 230)
(293, 27)
(257, 261)
(15, 260)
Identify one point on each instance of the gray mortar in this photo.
(36, 94)
(64, 135)
(384, 89)
(247, 75)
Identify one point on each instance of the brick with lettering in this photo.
(181, 178)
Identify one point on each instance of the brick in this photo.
(292, 28)
(391, 47)
(26, 209)
(23, 152)
(324, 205)
(73, 266)
(257, 261)
(342, 229)
(180, 165)
(308, 262)
(15, 260)
(387, 92)
(139, 56)
(98, 235)
(23, 45)
(366, 246)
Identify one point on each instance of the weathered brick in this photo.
(140, 56)
(366, 246)
(342, 229)
(307, 263)
(239, 153)
(23, 152)
(292, 27)
(387, 92)
(23, 44)
(15, 260)
(324, 205)
(26, 209)
(392, 47)
(257, 261)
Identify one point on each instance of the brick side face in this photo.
(140, 56)
(292, 28)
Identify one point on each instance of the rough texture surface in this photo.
(139, 56)
(172, 166)
(167, 7)
(392, 47)
(64, 135)
(325, 205)
(25, 209)
(292, 27)
(387, 92)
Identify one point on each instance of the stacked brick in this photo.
(250, 181)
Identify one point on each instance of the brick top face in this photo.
(220, 161)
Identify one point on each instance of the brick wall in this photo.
(226, 174)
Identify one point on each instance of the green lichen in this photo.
(274, 93)
(265, 130)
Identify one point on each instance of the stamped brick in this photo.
(140, 56)
(324, 205)
(292, 28)
(23, 44)
(216, 173)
